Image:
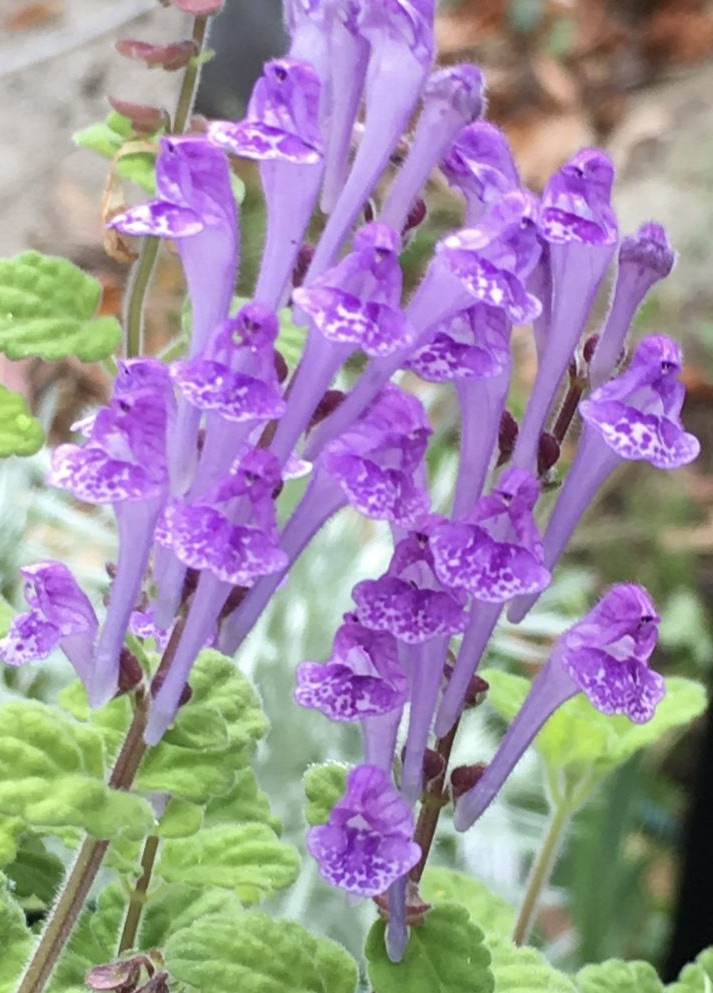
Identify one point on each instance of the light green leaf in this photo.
(180, 819)
(47, 308)
(16, 939)
(446, 955)
(578, 738)
(190, 775)
(696, 977)
(291, 338)
(616, 976)
(93, 941)
(246, 858)
(256, 954)
(525, 970)
(324, 784)
(176, 906)
(108, 137)
(244, 802)
(35, 873)
(20, 432)
(11, 829)
(51, 775)
(6, 615)
(490, 912)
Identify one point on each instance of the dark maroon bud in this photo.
(433, 765)
(476, 692)
(156, 984)
(464, 778)
(548, 452)
(235, 598)
(158, 681)
(416, 216)
(200, 8)
(110, 568)
(369, 211)
(590, 347)
(190, 583)
(170, 57)
(278, 489)
(130, 672)
(200, 440)
(329, 403)
(572, 370)
(304, 261)
(281, 367)
(507, 437)
(143, 117)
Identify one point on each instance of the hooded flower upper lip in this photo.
(576, 201)
(638, 413)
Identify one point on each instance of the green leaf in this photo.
(180, 819)
(490, 912)
(616, 976)
(11, 829)
(47, 308)
(108, 138)
(324, 784)
(35, 873)
(244, 802)
(579, 739)
(246, 858)
(291, 338)
(20, 432)
(93, 941)
(16, 939)
(256, 954)
(176, 906)
(446, 955)
(51, 775)
(696, 977)
(525, 970)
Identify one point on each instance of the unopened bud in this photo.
(170, 57)
(329, 403)
(281, 367)
(590, 347)
(548, 452)
(476, 692)
(507, 437)
(416, 215)
(433, 765)
(143, 117)
(130, 672)
(464, 778)
(302, 264)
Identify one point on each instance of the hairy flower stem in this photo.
(541, 872)
(86, 866)
(138, 896)
(433, 802)
(141, 274)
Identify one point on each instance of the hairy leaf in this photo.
(696, 977)
(180, 819)
(20, 432)
(490, 912)
(16, 939)
(246, 858)
(176, 906)
(525, 970)
(245, 801)
(324, 785)
(616, 976)
(108, 138)
(47, 308)
(256, 954)
(35, 873)
(446, 955)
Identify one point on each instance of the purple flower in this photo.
(493, 259)
(496, 552)
(479, 163)
(578, 223)
(605, 656)
(364, 677)
(282, 121)
(367, 843)
(636, 416)
(60, 616)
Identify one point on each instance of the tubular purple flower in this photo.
(367, 843)
(605, 656)
(401, 37)
(354, 305)
(60, 616)
(282, 132)
(644, 259)
(577, 221)
(453, 97)
(494, 554)
(230, 536)
(480, 165)
(124, 463)
(472, 350)
(373, 468)
(636, 416)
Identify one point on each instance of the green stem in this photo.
(141, 276)
(541, 872)
(84, 870)
(138, 897)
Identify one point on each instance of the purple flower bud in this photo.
(578, 222)
(496, 552)
(60, 616)
(644, 259)
(493, 259)
(453, 97)
(605, 656)
(364, 677)
(479, 163)
(634, 416)
(367, 843)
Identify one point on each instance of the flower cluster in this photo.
(193, 456)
